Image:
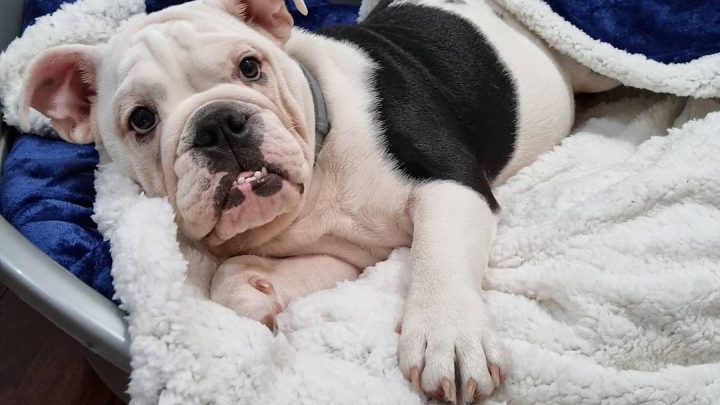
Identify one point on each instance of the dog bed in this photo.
(603, 281)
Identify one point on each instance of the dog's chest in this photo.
(360, 228)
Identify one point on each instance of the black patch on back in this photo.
(446, 102)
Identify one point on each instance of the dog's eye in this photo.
(250, 68)
(142, 121)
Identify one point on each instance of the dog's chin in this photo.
(250, 207)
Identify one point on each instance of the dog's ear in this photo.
(270, 15)
(61, 84)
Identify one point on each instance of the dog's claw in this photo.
(495, 374)
(271, 322)
(446, 390)
(470, 389)
(415, 379)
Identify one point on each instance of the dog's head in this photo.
(199, 103)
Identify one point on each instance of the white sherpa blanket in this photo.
(604, 279)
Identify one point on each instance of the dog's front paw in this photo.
(249, 293)
(444, 335)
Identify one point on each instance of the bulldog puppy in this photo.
(302, 158)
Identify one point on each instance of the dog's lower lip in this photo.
(268, 185)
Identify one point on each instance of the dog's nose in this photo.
(218, 124)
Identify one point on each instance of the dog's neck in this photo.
(322, 123)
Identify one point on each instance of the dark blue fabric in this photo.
(47, 188)
(35, 8)
(322, 13)
(47, 194)
(668, 31)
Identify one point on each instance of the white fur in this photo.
(454, 227)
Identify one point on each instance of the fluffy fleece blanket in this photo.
(604, 275)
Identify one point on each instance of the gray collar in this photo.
(322, 123)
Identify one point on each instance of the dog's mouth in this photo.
(250, 199)
(261, 182)
(243, 180)
(264, 182)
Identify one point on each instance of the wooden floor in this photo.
(39, 364)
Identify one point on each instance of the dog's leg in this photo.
(260, 288)
(446, 322)
(584, 79)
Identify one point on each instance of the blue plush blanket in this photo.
(668, 31)
(47, 188)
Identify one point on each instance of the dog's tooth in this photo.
(264, 171)
(240, 180)
(258, 175)
(250, 179)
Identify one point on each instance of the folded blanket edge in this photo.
(699, 78)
